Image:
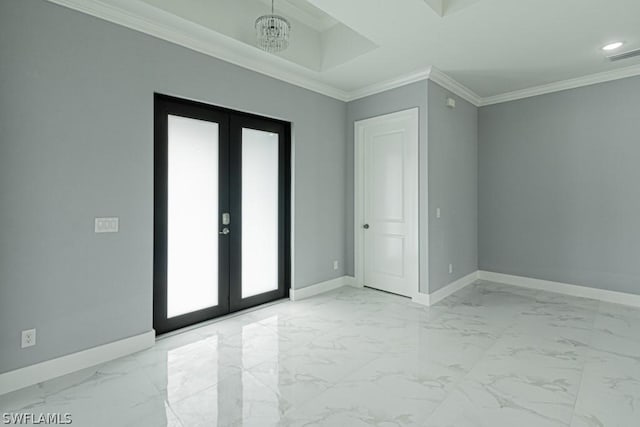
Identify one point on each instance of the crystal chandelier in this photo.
(272, 32)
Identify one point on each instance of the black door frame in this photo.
(230, 177)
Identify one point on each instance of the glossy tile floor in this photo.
(491, 355)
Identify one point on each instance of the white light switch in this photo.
(107, 225)
(438, 213)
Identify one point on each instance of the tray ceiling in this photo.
(318, 41)
(485, 48)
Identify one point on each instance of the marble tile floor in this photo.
(489, 356)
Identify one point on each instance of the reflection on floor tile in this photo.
(491, 355)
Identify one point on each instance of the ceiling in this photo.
(319, 42)
(305, 12)
(489, 47)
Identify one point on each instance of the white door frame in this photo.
(414, 114)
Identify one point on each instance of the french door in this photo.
(221, 222)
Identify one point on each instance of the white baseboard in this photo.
(422, 299)
(34, 374)
(351, 281)
(450, 289)
(320, 288)
(562, 288)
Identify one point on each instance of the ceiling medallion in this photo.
(272, 32)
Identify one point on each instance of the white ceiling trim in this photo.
(447, 82)
(389, 84)
(431, 73)
(208, 42)
(176, 30)
(607, 76)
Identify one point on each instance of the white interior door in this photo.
(387, 205)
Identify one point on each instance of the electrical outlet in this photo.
(28, 338)
(336, 265)
(450, 268)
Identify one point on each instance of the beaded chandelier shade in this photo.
(272, 32)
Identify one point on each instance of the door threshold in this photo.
(386, 292)
(219, 319)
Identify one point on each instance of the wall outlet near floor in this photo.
(450, 268)
(336, 265)
(28, 338)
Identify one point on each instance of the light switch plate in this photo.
(107, 225)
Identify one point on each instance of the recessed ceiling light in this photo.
(613, 46)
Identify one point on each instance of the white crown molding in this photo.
(147, 19)
(437, 76)
(607, 76)
(389, 84)
(431, 73)
(452, 85)
(140, 16)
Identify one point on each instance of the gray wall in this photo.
(402, 98)
(76, 141)
(559, 186)
(451, 138)
(453, 187)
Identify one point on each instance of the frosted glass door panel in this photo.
(192, 238)
(259, 212)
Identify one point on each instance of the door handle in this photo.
(225, 231)
(366, 226)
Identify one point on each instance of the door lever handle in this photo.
(225, 231)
